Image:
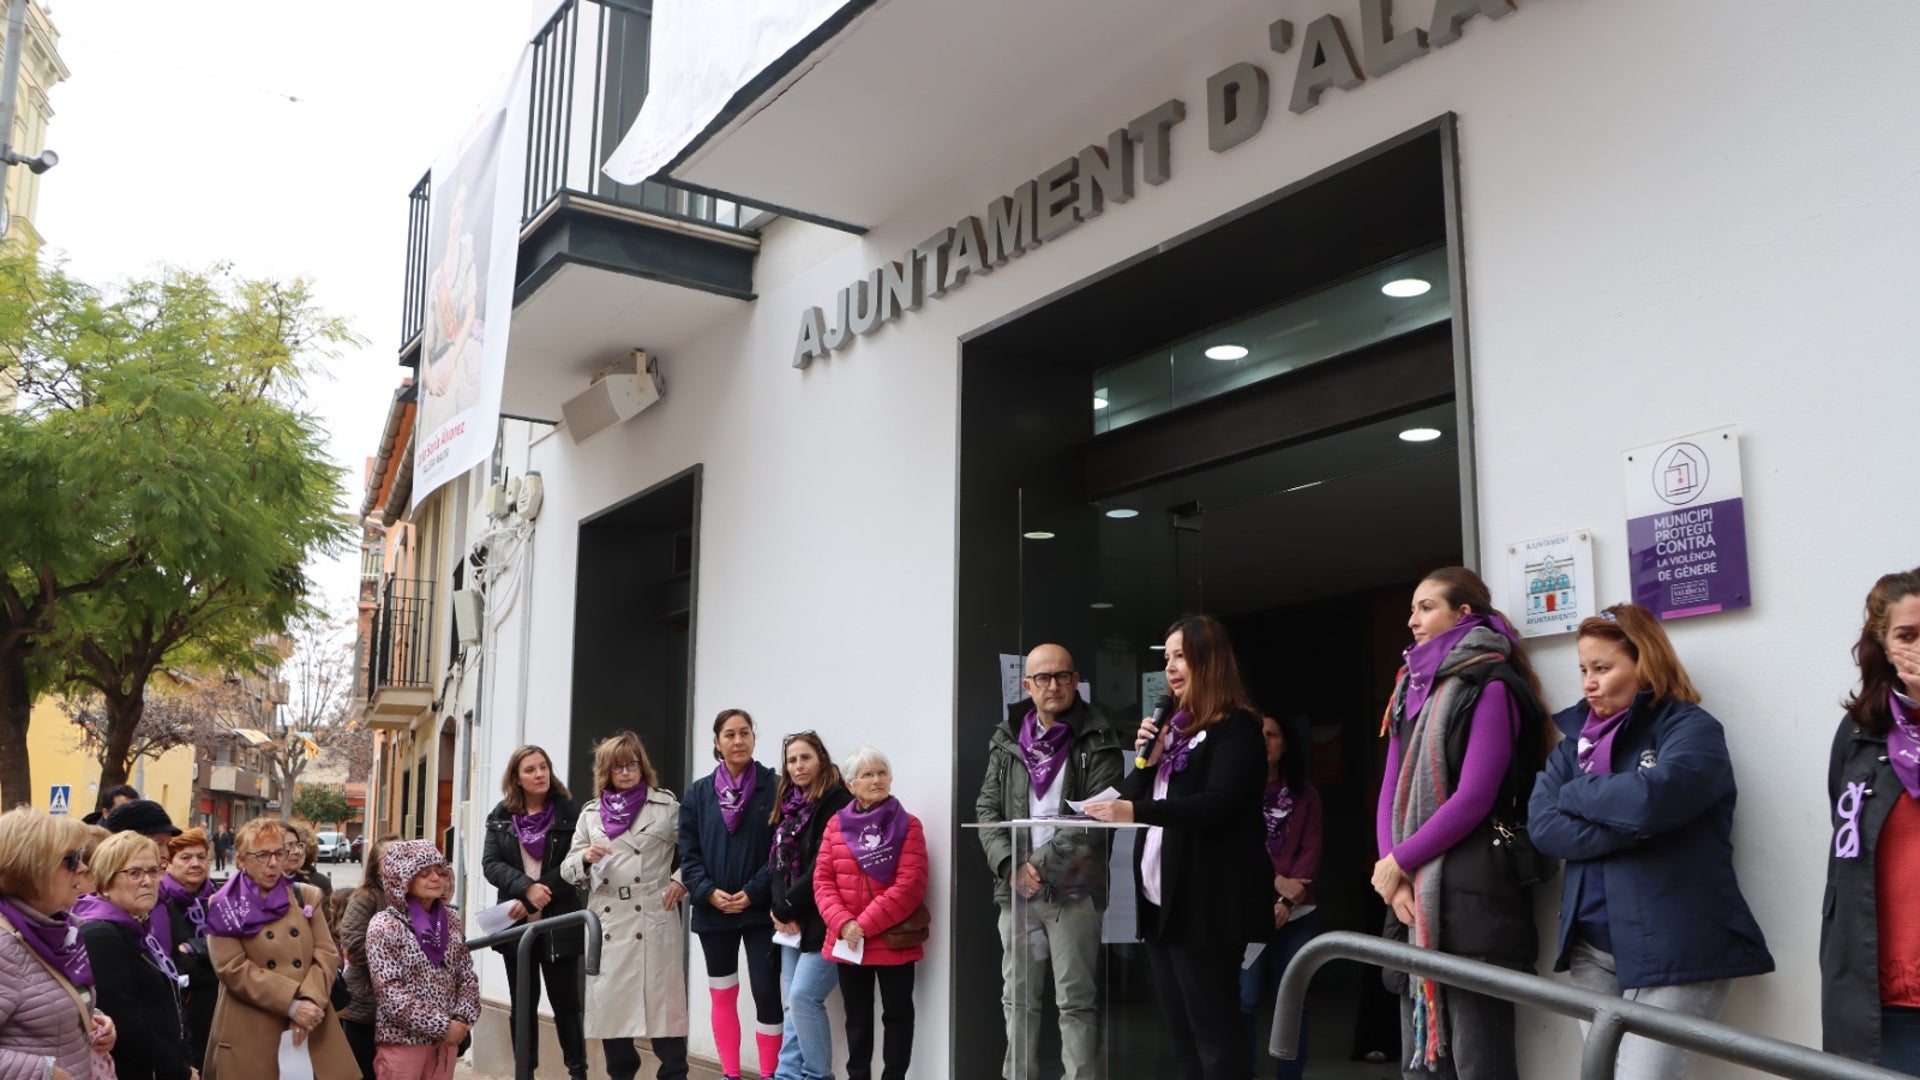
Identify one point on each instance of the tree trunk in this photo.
(16, 711)
(123, 719)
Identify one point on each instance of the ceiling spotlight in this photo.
(1100, 605)
(1420, 434)
(1122, 513)
(1038, 534)
(1158, 648)
(1407, 287)
(1226, 352)
(1099, 402)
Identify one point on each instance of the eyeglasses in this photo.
(439, 870)
(1052, 678)
(624, 766)
(268, 856)
(74, 861)
(796, 735)
(142, 873)
(295, 845)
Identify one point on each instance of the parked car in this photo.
(332, 847)
(356, 847)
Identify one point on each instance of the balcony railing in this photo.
(589, 76)
(400, 654)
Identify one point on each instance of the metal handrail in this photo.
(524, 1004)
(1612, 1017)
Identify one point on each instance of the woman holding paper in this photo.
(528, 834)
(132, 946)
(870, 882)
(623, 853)
(810, 795)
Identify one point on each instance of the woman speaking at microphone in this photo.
(1201, 867)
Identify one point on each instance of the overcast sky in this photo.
(280, 136)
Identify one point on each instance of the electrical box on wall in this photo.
(468, 607)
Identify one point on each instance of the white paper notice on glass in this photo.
(791, 941)
(1254, 948)
(494, 919)
(1100, 796)
(295, 1064)
(850, 953)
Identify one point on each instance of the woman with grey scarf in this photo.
(1466, 732)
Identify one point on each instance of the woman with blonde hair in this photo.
(623, 853)
(270, 945)
(126, 939)
(184, 891)
(48, 1026)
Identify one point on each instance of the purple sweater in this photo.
(1489, 752)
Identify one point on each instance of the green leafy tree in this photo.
(323, 804)
(163, 486)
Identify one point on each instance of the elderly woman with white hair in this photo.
(870, 883)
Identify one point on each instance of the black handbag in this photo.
(1514, 849)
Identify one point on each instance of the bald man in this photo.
(1050, 750)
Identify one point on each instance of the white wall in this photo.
(1676, 216)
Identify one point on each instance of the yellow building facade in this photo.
(60, 760)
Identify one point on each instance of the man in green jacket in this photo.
(1051, 750)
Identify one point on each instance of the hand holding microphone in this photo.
(1150, 730)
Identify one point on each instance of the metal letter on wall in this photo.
(1010, 224)
(1381, 50)
(1450, 15)
(1150, 131)
(932, 254)
(1106, 173)
(1057, 208)
(1236, 105)
(865, 317)
(969, 254)
(810, 346)
(1326, 60)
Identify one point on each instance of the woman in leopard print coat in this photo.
(422, 974)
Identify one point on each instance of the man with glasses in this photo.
(1050, 750)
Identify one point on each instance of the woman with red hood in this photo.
(429, 998)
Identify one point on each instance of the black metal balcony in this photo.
(588, 79)
(400, 652)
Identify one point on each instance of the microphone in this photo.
(1160, 710)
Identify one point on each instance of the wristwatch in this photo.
(1287, 901)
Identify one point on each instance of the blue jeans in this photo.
(1900, 1039)
(807, 979)
(1263, 977)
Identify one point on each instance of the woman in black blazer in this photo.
(1201, 866)
(528, 834)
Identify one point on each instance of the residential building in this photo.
(63, 766)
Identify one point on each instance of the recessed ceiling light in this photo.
(1099, 402)
(1122, 512)
(1038, 534)
(1407, 287)
(1226, 352)
(1420, 434)
(1100, 605)
(1158, 648)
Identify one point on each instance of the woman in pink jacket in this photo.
(48, 1028)
(870, 878)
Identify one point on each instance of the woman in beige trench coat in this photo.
(276, 967)
(624, 850)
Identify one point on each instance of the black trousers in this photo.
(896, 1016)
(360, 1037)
(623, 1058)
(565, 992)
(722, 949)
(1199, 991)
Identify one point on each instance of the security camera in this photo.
(47, 160)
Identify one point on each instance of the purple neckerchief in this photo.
(1045, 751)
(1596, 741)
(238, 909)
(796, 810)
(1276, 806)
(54, 939)
(155, 934)
(429, 929)
(1903, 745)
(876, 836)
(1179, 746)
(734, 793)
(533, 829)
(193, 903)
(1424, 659)
(618, 808)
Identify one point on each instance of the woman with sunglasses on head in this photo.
(48, 1026)
(184, 891)
(1202, 869)
(624, 854)
(269, 943)
(528, 834)
(725, 827)
(1869, 927)
(1638, 798)
(810, 795)
(132, 949)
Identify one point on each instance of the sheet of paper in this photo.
(494, 919)
(850, 953)
(598, 872)
(1100, 796)
(791, 941)
(295, 1064)
(1253, 953)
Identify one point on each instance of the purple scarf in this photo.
(1276, 807)
(618, 809)
(1179, 741)
(238, 909)
(430, 929)
(55, 940)
(1045, 751)
(533, 829)
(734, 793)
(875, 836)
(1596, 741)
(1424, 659)
(1903, 746)
(155, 934)
(796, 811)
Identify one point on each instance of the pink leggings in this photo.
(394, 1062)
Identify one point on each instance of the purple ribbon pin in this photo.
(1846, 840)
